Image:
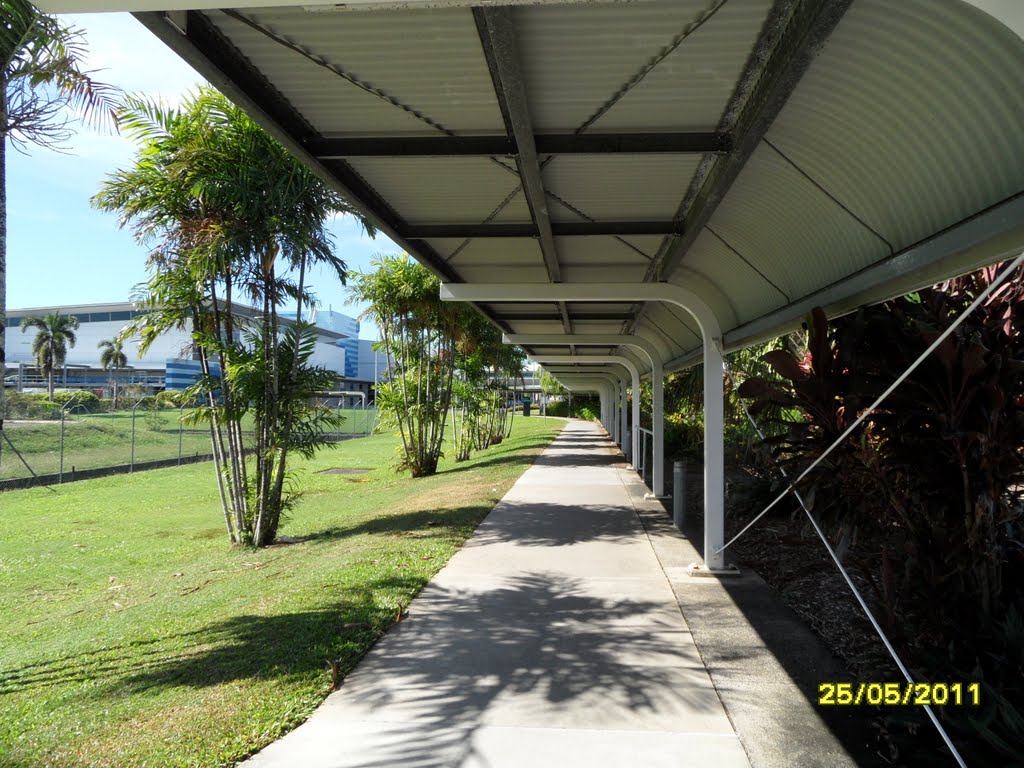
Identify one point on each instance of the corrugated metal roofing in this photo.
(908, 120)
(795, 235)
(721, 272)
(596, 251)
(577, 57)
(491, 251)
(913, 116)
(449, 83)
(674, 325)
(483, 273)
(445, 190)
(614, 187)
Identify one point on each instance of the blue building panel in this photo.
(182, 374)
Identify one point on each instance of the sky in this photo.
(60, 250)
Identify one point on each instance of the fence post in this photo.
(131, 460)
(60, 472)
(181, 427)
(64, 409)
(679, 494)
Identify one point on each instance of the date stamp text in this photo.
(898, 694)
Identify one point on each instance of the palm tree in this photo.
(55, 334)
(113, 359)
(40, 75)
(232, 212)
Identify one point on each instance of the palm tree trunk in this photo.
(286, 430)
(234, 453)
(3, 249)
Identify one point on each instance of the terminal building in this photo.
(170, 362)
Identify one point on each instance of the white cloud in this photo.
(127, 55)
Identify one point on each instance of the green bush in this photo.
(931, 482)
(19, 405)
(582, 408)
(168, 398)
(84, 401)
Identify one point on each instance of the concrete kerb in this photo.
(763, 660)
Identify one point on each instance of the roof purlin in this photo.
(216, 58)
(497, 38)
(807, 29)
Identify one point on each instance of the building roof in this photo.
(101, 313)
(768, 155)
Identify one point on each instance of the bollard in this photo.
(679, 494)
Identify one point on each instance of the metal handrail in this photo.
(644, 434)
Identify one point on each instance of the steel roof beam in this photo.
(556, 316)
(807, 29)
(546, 144)
(498, 38)
(195, 38)
(558, 229)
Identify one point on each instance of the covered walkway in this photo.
(557, 637)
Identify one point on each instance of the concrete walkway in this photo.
(553, 638)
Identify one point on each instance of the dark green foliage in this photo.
(30, 406)
(35, 405)
(583, 407)
(419, 333)
(933, 479)
(443, 358)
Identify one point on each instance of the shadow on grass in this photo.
(531, 647)
(527, 524)
(503, 453)
(241, 647)
(430, 521)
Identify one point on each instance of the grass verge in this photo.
(134, 635)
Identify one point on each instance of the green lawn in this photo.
(134, 635)
(104, 439)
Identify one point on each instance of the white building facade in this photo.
(166, 363)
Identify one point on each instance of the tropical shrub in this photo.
(931, 481)
(583, 407)
(419, 334)
(32, 406)
(233, 215)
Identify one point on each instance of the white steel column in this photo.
(652, 353)
(714, 457)
(624, 444)
(618, 359)
(579, 379)
(714, 482)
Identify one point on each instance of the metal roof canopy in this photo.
(770, 155)
(762, 156)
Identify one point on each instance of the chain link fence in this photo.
(64, 443)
